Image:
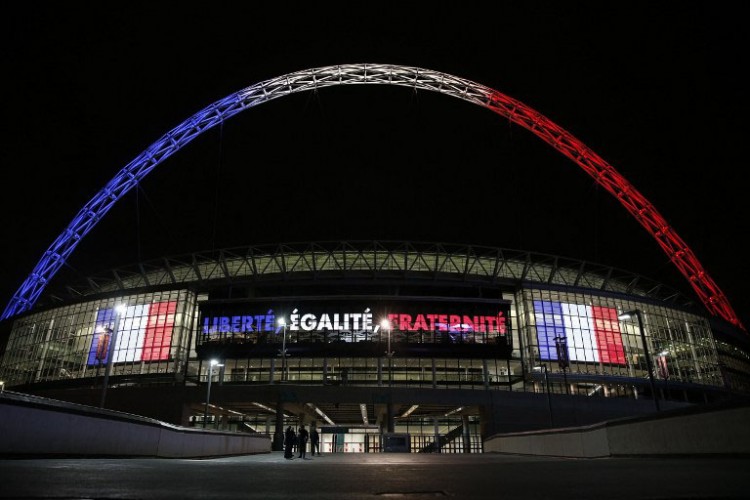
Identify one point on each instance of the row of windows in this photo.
(584, 334)
(142, 334)
(152, 333)
(416, 372)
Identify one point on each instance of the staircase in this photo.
(443, 440)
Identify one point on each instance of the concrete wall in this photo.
(694, 431)
(33, 426)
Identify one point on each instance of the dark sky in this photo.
(653, 87)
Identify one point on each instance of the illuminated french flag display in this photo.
(144, 333)
(592, 333)
(158, 338)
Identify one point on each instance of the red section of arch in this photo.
(634, 202)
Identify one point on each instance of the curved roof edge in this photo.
(376, 258)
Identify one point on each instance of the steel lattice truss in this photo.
(354, 74)
(381, 260)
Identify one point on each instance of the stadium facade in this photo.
(383, 345)
(443, 343)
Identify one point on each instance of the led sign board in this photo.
(312, 324)
(478, 320)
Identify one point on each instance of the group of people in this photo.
(298, 440)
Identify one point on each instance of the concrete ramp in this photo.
(687, 431)
(35, 426)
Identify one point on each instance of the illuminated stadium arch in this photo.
(353, 74)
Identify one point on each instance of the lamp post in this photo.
(387, 326)
(637, 313)
(282, 322)
(119, 310)
(2, 386)
(211, 365)
(563, 360)
(389, 406)
(543, 369)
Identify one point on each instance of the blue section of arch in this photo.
(125, 180)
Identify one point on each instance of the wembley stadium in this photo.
(443, 343)
(382, 345)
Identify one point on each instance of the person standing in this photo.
(289, 438)
(302, 436)
(314, 441)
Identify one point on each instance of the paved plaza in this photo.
(376, 476)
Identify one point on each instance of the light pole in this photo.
(211, 365)
(563, 360)
(282, 322)
(543, 368)
(119, 310)
(387, 326)
(389, 411)
(628, 315)
(2, 386)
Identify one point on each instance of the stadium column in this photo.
(436, 424)
(639, 316)
(487, 417)
(467, 433)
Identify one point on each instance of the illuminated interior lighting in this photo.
(264, 407)
(460, 408)
(409, 411)
(221, 408)
(594, 390)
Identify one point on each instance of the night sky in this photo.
(653, 87)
